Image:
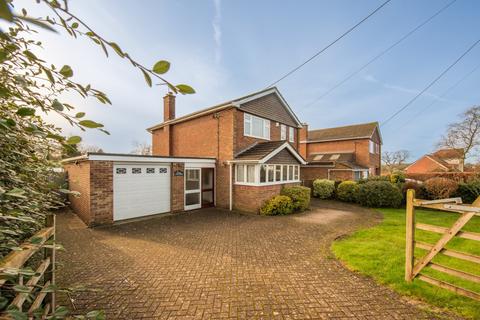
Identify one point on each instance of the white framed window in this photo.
(283, 132)
(256, 127)
(291, 134)
(266, 174)
(373, 147)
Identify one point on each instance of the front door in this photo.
(192, 189)
(208, 187)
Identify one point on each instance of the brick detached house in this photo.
(342, 153)
(443, 160)
(234, 155)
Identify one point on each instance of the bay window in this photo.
(256, 127)
(265, 174)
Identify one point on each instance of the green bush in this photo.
(420, 192)
(397, 177)
(374, 178)
(300, 197)
(440, 188)
(323, 188)
(277, 205)
(468, 191)
(379, 194)
(347, 191)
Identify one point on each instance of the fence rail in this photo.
(37, 290)
(413, 268)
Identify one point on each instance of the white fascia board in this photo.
(99, 157)
(189, 165)
(73, 159)
(286, 145)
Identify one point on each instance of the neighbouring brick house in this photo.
(341, 153)
(443, 160)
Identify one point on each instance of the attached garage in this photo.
(117, 187)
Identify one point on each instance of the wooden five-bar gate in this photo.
(413, 268)
(34, 292)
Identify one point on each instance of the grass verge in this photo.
(379, 252)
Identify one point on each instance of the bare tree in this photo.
(394, 159)
(141, 148)
(464, 134)
(84, 148)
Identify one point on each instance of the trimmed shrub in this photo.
(397, 177)
(278, 205)
(420, 191)
(438, 188)
(323, 188)
(347, 191)
(468, 191)
(374, 178)
(299, 195)
(379, 194)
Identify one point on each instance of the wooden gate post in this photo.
(50, 274)
(410, 235)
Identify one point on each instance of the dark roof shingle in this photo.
(259, 151)
(364, 130)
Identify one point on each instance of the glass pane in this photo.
(207, 197)
(251, 173)
(247, 123)
(240, 172)
(207, 179)
(192, 179)
(266, 132)
(192, 198)
(263, 173)
(270, 173)
(290, 172)
(285, 173)
(296, 173)
(278, 173)
(257, 127)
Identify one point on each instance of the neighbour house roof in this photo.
(356, 131)
(261, 152)
(288, 117)
(449, 153)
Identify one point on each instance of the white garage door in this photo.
(140, 190)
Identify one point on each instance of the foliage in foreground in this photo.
(278, 205)
(377, 194)
(323, 188)
(380, 252)
(300, 197)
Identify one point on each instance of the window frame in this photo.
(248, 126)
(283, 132)
(291, 134)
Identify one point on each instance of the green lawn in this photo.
(380, 252)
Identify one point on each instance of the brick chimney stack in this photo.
(303, 137)
(169, 107)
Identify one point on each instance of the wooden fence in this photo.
(37, 293)
(413, 268)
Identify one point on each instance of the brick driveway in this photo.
(216, 264)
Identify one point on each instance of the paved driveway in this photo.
(217, 264)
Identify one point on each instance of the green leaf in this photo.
(66, 71)
(24, 112)
(38, 23)
(147, 77)
(17, 314)
(74, 140)
(2, 190)
(57, 105)
(49, 75)
(5, 12)
(80, 115)
(19, 288)
(16, 192)
(90, 124)
(161, 67)
(185, 89)
(75, 25)
(117, 49)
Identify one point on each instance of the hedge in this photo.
(379, 194)
(278, 205)
(323, 188)
(300, 197)
(347, 191)
(440, 188)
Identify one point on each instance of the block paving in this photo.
(215, 264)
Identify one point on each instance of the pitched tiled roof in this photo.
(329, 157)
(449, 153)
(364, 130)
(259, 151)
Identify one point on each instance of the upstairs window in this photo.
(291, 134)
(374, 147)
(283, 132)
(256, 127)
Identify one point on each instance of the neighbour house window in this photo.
(258, 174)
(357, 175)
(256, 127)
(291, 134)
(283, 132)
(373, 147)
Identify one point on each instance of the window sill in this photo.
(251, 136)
(264, 184)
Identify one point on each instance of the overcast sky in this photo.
(226, 49)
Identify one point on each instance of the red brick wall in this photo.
(424, 165)
(161, 141)
(101, 192)
(78, 176)
(177, 188)
(251, 198)
(341, 175)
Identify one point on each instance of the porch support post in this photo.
(230, 187)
